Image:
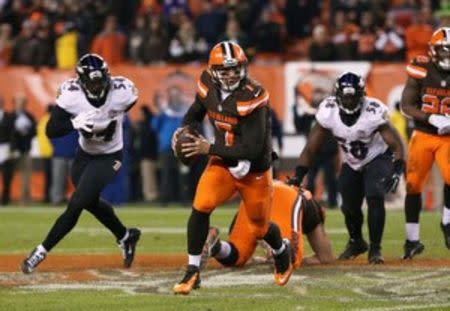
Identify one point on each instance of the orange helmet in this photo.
(228, 65)
(440, 47)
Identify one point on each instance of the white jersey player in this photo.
(93, 104)
(372, 155)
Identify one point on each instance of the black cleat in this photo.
(211, 240)
(412, 248)
(32, 261)
(353, 249)
(129, 246)
(190, 281)
(446, 231)
(375, 256)
(283, 264)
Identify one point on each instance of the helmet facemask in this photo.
(441, 55)
(95, 84)
(229, 77)
(350, 93)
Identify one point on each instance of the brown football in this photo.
(183, 138)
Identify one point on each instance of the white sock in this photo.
(276, 252)
(446, 216)
(225, 250)
(194, 260)
(125, 237)
(41, 249)
(412, 231)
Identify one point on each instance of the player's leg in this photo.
(329, 170)
(418, 165)
(374, 172)
(256, 192)
(351, 185)
(65, 222)
(443, 161)
(216, 185)
(98, 173)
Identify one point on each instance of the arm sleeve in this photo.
(59, 123)
(195, 114)
(254, 132)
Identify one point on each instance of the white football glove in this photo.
(84, 121)
(442, 123)
(241, 169)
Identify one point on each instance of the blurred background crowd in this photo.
(55, 33)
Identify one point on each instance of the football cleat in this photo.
(190, 281)
(446, 231)
(33, 260)
(412, 248)
(128, 246)
(375, 256)
(283, 264)
(211, 241)
(353, 249)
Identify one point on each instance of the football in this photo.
(183, 138)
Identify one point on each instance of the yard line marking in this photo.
(408, 307)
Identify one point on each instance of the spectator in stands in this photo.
(45, 153)
(390, 43)
(211, 22)
(321, 48)
(345, 37)
(233, 33)
(187, 46)
(172, 185)
(24, 131)
(366, 38)
(6, 142)
(299, 16)
(64, 149)
(24, 46)
(14, 15)
(147, 142)
(267, 34)
(110, 43)
(136, 40)
(44, 54)
(6, 44)
(156, 43)
(417, 36)
(69, 45)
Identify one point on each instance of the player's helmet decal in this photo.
(440, 48)
(350, 90)
(228, 65)
(93, 75)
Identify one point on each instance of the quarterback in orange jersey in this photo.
(426, 99)
(295, 213)
(240, 157)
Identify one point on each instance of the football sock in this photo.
(197, 231)
(413, 205)
(273, 237)
(194, 260)
(40, 248)
(376, 219)
(446, 216)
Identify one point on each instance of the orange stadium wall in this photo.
(383, 81)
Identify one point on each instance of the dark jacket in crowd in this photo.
(23, 135)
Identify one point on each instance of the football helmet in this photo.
(350, 91)
(93, 75)
(228, 65)
(439, 48)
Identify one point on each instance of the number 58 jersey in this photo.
(107, 136)
(361, 142)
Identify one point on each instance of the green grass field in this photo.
(423, 284)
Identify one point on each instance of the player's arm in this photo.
(195, 114)
(315, 139)
(59, 123)
(410, 99)
(254, 133)
(321, 245)
(392, 138)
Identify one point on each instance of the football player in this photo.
(94, 104)
(426, 99)
(373, 159)
(240, 157)
(295, 213)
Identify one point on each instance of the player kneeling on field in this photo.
(295, 213)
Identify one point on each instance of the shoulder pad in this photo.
(257, 98)
(124, 90)
(376, 111)
(326, 111)
(417, 69)
(66, 93)
(203, 84)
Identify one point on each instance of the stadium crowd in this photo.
(55, 33)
